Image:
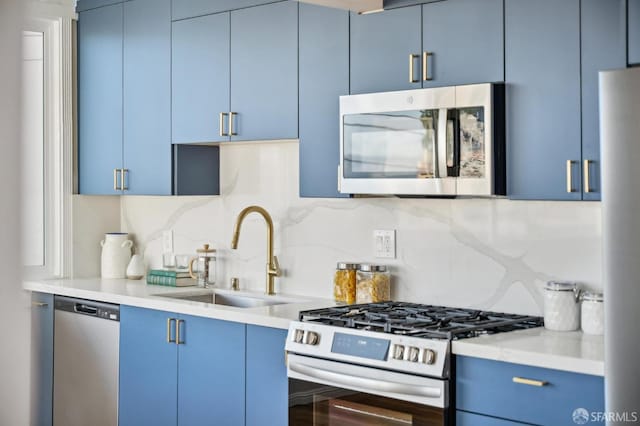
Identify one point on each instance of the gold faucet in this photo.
(273, 268)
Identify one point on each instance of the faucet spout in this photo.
(273, 268)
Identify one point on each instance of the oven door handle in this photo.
(364, 382)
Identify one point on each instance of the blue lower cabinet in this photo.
(464, 418)
(42, 359)
(148, 368)
(211, 372)
(267, 384)
(526, 394)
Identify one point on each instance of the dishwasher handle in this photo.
(82, 308)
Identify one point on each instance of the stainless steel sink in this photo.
(226, 299)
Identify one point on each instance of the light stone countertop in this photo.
(568, 351)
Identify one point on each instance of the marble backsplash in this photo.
(482, 253)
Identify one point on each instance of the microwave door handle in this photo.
(441, 143)
(342, 379)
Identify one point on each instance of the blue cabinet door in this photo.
(324, 76)
(99, 99)
(267, 383)
(603, 42)
(189, 8)
(466, 42)
(42, 359)
(146, 91)
(148, 368)
(200, 78)
(381, 45)
(543, 99)
(634, 31)
(464, 418)
(211, 372)
(264, 72)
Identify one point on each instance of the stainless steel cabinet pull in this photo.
(115, 180)
(223, 115)
(40, 304)
(178, 341)
(587, 186)
(530, 382)
(169, 321)
(569, 176)
(123, 173)
(231, 131)
(425, 66)
(412, 58)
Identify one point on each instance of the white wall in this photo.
(491, 254)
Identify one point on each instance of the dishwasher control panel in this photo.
(91, 308)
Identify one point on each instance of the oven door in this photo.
(329, 393)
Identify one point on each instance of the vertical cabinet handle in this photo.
(587, 186)
(425, 65)
(115, 180)
(178, 341)
(123, 174)
(169, 322)
(231, 131)
(569, 176)
(412, 58)
(223, 115)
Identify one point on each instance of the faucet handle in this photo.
(275, 268)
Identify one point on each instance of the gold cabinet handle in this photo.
(223, 115)
(123, 185)
(178, 341)
(231, 131)
(587, 179)
(412, 58)
(115, 180)
(425, 66)
(530, 382)
(569, 176)
(169, 321)
(39, 304)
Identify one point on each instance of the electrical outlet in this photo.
(167, 241)
(384, 243)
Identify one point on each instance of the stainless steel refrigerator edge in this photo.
(620, 149)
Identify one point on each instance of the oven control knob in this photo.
(429, 356)
(398, 351)
(311, 338)
(413, 354)
(297, 335)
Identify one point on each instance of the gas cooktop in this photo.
(417, 320)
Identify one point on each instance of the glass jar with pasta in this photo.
(373, 284)
(344, 282)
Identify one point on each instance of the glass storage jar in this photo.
(344, 282)
(373, 283)
(592, 313)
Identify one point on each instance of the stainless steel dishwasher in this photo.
(85, 362)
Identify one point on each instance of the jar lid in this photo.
(370, 267)
(347, 265)
(205, 249)
(592, 296)
(560, 286)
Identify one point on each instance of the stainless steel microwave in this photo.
(445, 141)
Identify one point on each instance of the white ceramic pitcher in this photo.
(116, 253)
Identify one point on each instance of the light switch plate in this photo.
(384, 243)
(167, 241)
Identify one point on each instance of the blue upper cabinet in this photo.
(42, 359)
(148, 368)
(211, 372)
(542, 55)
(382, 45)
(190, 8)
(603, 43)
(464, 41)
(267, 383)
(264, 72)
(634, 31)
(100, 99)
(324, 76)
(200, 79)
(146, 90)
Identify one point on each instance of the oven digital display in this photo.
(363, 347)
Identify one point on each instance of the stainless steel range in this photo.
(382, 363)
